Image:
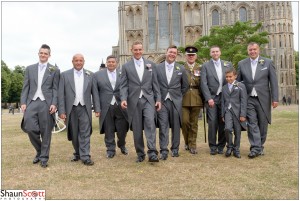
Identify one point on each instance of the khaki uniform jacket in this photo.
(193, 95)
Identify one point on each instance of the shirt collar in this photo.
(171, 64)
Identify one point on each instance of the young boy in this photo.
(234, 106)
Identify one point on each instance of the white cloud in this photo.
(90, 28)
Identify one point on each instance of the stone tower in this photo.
(159, 24)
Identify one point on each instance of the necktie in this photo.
(217, 63)
(41, 66)
(138, 62)
(113, 75)
(253, 62)
(230, 87)
(78, 73)
(169, 66)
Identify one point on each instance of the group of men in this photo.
(142, 96)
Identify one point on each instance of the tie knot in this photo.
(217, 63)
(41, 66)
(138, 62)
(78, 73)
(253, 62)
(169, 66)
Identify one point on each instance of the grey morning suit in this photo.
(112, 117)
(37, 121)
(170, 115)
(141, 111)
(234, 106)
(209, 86)
(79, 117)
(259, 107)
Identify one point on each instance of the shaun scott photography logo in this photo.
(23, 195)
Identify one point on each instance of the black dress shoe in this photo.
(36, 160)
(124, 150)
(44, 164)
(252, 154)
(236, 154)
(140, 159)
(175, 154)
(110, 155)
(88, 162)
(220, 151)
(164, 157)
(228, 152)
(75, 158)
(186, 147)
(153, 158)
(193, 151)
(213, 152)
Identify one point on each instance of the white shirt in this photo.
(41, 71)
(139, 66)
(218, 68)
(79, 80)
(169, 72)
(253, 68)
(112, 76)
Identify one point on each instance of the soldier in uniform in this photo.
(192, 102)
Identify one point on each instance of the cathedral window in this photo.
(163, 24)
(215, 17)
(243, 14)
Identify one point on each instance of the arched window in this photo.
(243, 14)
(215, 17)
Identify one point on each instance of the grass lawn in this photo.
(272, 176)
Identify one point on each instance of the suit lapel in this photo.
(85, 80)
(117, 78)
(133, 69)
(258, 68)
(174, 74)
(213, 69)
(71, 79)
(46, 74)
(36, 73)
(162, 69)
(107, 79)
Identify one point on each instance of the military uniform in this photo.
(191, 106)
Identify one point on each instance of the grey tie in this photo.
(138, 62)
(169, 66)
(78, 73)
(113, 75)
(41, 66)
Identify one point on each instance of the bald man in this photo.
(75, 107)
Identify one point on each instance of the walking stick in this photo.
(204, 123)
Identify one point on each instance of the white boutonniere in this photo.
(226, 63)
(52, 69)
(261, 61)
(177, 68)
(149, 67)
(120, 73)
(87, 73)
(236, 85)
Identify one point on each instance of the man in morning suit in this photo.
(108, 107)
(234, 108)
(39, 104)
(75, 107)
(140, 95)
(192, 100)
(259, 76)
(212, 81)
(173, 83)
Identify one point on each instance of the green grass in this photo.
(201, 176)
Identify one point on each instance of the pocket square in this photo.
(180, 73)
(265, 68)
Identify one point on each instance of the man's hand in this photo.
(242, 119)
(158, 106)
(124, 105)
(52, 109)
(63, 117)
(275, 104)
(211, 102)
(23, 107)
(97, 114)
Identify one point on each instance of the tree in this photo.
(17, 78)
(232, 39)
(5, 82)
(296, 54)
(19, 69)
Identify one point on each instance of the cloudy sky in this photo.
(90, 28)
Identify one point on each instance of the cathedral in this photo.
(159, 24)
